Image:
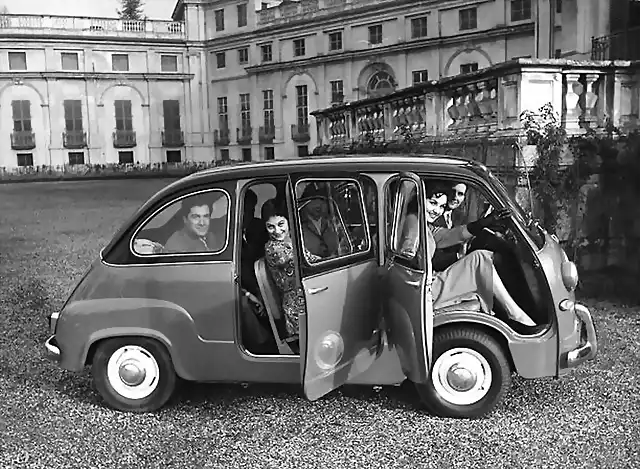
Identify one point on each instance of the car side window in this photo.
(194, 224)
(332, 219)
(403, 222)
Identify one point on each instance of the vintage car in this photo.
(145, 314)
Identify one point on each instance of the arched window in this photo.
(380, 83)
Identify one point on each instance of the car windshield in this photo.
(533, 229)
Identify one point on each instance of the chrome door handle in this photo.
(414, 283)
(313, 291)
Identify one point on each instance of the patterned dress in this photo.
(280, 259)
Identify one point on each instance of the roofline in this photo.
(326, 160)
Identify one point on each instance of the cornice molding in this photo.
(58, 75)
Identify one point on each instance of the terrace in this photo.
(488, 104)
(91, 27)
(289, 11)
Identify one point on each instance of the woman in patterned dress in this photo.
(280, 260)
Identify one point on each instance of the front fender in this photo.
(83, 323)
(533, 357)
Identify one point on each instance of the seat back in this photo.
(272, 303)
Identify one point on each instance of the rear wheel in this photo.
(133, 374)
(470, 374)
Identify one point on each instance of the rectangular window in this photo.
(267, 109)
(303, 150)
(76, 157)
(335, 41)
(124, 120)
(223, 114)
(17, 60)
(269, 153)
(69, 61)
(420, 76)
(337, 91)
(25, 159)
(375, 34)
(245, 111)
(246, 154)
(221, 60)
(468, 18)
(302, 106)
(72, 115)
(469, 67)
(242, 15)
(520, 10)
(21, 115)
(174, 156)
(169, 63)
(298, 48)
(219, 20)
(418, 27)
(120, 62)
(224, 154)
(267, 53)
(243, 55)
(171, 112)
(125, 157)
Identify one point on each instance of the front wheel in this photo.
(469, 377)
(133, 374)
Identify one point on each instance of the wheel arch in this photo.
(103, 336)
(494, 333)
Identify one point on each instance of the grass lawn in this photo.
(50, 232)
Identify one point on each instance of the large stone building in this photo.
(227, 79)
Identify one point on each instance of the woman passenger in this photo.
(280, 260)
(474, 275)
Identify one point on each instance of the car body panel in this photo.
(343, 306)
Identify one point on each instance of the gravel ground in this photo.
(53, 419)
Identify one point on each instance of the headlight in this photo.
(569, 273)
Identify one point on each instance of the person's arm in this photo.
(446, 237)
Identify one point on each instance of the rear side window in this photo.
(194, 224)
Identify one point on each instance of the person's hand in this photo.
(256, 301)
(476, 227)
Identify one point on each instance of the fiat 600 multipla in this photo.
(366, 270)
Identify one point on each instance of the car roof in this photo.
(339, 163)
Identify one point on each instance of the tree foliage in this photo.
(131, 10)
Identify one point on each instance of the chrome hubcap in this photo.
(461, 376)
(133, 372)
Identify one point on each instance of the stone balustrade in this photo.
(489, 103)
(71, 25)
(289, 11)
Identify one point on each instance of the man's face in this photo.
(316, 208)
(197, 222)
(459, 192)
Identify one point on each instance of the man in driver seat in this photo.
(195, 235)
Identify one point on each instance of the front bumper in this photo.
(588, 349)
(53, 351)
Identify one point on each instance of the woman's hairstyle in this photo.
(273, 208)
(437, 189)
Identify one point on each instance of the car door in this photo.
(408, 306)
(340, 330)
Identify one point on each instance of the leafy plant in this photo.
(131, 10)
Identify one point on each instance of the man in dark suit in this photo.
(451, 217)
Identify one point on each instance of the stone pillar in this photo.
(544, 28)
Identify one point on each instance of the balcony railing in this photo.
(23, 140)
(623, 45)
(172, 138)
(488, 104)
(221, 137)
(243, 135)
(300, 133)
(310, 9)
(124, 139)
(74, 139)
(267, 134)
(74, 25)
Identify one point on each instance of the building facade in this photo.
(227, 79)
